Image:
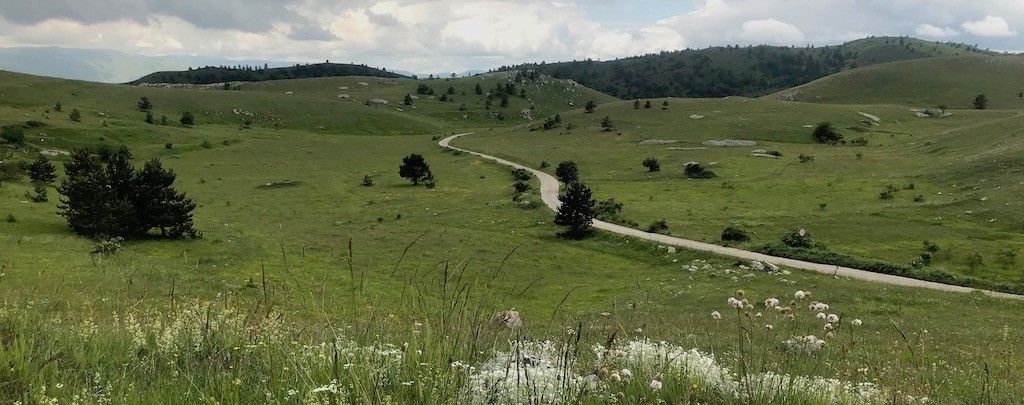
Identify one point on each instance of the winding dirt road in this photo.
(549, 193)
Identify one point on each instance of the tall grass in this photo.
(442, 344)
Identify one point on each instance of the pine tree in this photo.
(43, 174)
(575, 211)
(159, 206)
(415, 168)
(567, 172)
(145, 104)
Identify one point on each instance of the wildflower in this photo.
(800, 295)
(769, 327)
(771, 302)
(237, 381)
(758, 315)
(718, 315)
(819, 306)
(857, 322)
(735, 303)
(833, 318)
(821, 315)
(615, 377)
(740, 293)
(829, 327)
(655, 385)
(626, 373)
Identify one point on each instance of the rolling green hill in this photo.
(735, 70)
(222, 74)
(949, 81)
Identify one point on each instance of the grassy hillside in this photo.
(952, 81)
(944, 171)
(734, 71)
(223, 74)
(323, 289)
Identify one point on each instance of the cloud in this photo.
(989, 27)
(931, 31)
(771, 31)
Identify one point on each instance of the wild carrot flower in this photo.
(655, 385)
(832, 318)
(626, 373)
(771, 302)
(821, 315)
(857, 322)
(716, 315)
(735, 303)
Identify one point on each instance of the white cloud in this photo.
(931, 31)
(771, 31)
(989, 27)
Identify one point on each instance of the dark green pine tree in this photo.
(121, 183)
(86, 195)
(159, 206)
(576, 211)
(43, 174)
(415, 168)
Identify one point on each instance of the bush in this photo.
(107, 246)
(521, 175)
(187, 119)
(13, 135)
(659, 226)
(11, 219)
(980, 102)
(576, 212)
(168, 145)
(731, 234)
(775, 153)
(652, 164)
(521, 187)
(799, 238)
(544, 164)
(367, 181)
(75, 115)
(206, 144)
(806, 158)
(825, 133)
(859, 142)
(696, 171)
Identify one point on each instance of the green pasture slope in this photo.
(960, 169)
(420, 255)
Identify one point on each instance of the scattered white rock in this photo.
(756, 265)
(378, 101)
(508, 319)
(759, 151)
(730, 143)
(649, 142)
(364, 84)
(772, 268)
(873, 118)
(527, 114)
(343, 96)
(343, 88)
(808, 126)
(764, 155)
(672, 249)
(696, 117)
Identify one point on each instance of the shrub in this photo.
(187, 119)
(652, 164)
(859, 142)
(806, 158)
(590, 106)
(206, 144)
(825, 133)
(75, 115)
(696, 171)
(168, 145)
(775, 153)
(732, 234)
(608, 208)
(659, 226)
(799, 238)
(980, 102)
(521, 175)
(973, 261)
(833, 258)
(11, 219)
(107, 246)
(367, 181)
(544, 164)
(521, 187)
(13, 135)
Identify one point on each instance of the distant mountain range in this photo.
(212, 75)
(104, 65)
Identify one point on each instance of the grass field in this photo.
(275, 272)
(959, 168)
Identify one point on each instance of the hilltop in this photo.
(739, 71)
(949, 81)
(222, 74)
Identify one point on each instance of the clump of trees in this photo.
(187, 119)
(416, 169)
(576, 211)
(13, 135)
(824, 132)
(104, 196)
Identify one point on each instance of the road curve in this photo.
(549, 193)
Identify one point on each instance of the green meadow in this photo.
(310, 287)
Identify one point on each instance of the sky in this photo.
(458, 35)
